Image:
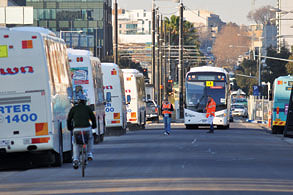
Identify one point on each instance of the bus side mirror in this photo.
(69, 92)
(128, 99)
(108, 97)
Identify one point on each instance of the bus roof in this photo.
(284, 78)
(34, 29)
(79, 52)
(108, 64)
(208, 69)
(130, 71)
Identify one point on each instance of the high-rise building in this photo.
(285, 23)
(134, 21)
(67, 17)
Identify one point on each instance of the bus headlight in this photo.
(221, 115)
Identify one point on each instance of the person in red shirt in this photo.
(210, 113)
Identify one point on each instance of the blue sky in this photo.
(229, 10)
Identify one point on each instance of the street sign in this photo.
(256, 90)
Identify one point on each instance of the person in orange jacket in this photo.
(210, 112)
(167, 109)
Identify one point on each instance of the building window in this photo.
(131, 26)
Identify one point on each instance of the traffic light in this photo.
(145, 73)
(169, 86)
(251, 54)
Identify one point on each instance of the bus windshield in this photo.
(197, 93)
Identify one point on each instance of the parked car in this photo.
(152, 112)
(239, 110)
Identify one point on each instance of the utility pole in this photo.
(154, 49)
(96, 42)
(158, 60)
(259, 70)
(165, 60)
(162, 76)
(169, 68)
(115, 32)
(180, 65)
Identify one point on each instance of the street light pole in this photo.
(154, 49)
(115, 32)
(158, 61)
(180, 65)
(259, 66)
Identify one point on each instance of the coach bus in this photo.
(281, 95)
(200, 83)
(35, 93)
(135, 97)
(115, 109)
(86, 76)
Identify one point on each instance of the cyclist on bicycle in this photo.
(78, 119)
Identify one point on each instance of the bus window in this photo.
(108, 97)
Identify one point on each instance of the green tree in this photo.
(289, 66)
(190, 36)
(275, 68)
(127, 63)
(249, 68)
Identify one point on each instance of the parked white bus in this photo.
(115, 109)
(34, 93)
(201, 82)
(135, 97)
(86, 75)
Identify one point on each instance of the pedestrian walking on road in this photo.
(210, 113)
(166, 110)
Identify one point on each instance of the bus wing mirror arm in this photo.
(69, 92)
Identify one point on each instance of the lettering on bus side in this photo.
(17, 114)
(109, 108)
(15, 70)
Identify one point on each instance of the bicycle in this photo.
(81, 139)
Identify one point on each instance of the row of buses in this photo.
(39, 78)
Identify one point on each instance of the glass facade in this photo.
(92, 17)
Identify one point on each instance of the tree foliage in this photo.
(262, 15)
(190, 36)
(231, 42)
(289, 66)
(127, 63)
(275, 68)
(249, 68)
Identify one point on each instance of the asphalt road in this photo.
(246, 159)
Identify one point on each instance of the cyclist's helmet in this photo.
(80, 97)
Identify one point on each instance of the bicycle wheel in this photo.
(83, 160)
